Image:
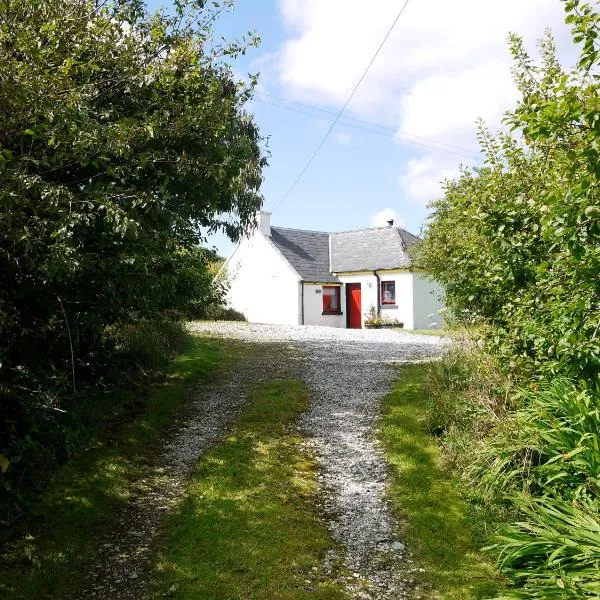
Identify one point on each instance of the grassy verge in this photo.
(247, 528)
(87, 491)
(442, 528)
(432, 332)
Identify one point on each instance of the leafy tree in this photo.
(517, 241)
(123, 136)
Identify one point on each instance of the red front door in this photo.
(354, 306)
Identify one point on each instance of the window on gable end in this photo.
(331, 299)
(388, 292)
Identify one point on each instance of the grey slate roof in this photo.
(357, 250)
(371, 249)
(306, 251)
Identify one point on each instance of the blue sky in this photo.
(445, 65)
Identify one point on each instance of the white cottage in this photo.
(291, 276)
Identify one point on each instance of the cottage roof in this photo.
(306, 251)
(371, 249)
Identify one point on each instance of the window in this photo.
(331, 299)
(388, 292)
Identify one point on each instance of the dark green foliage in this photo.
(517, 242)
(123, 137)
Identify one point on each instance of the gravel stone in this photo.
(348, 372)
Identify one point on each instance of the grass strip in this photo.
(440, 524)
(247, 527)
(87, 492)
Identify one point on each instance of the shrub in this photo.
(516, 241)
(218, 312)
(148, 344)
(546, 461)
(35, 442)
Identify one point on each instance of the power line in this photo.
(341, 112)
(387, 132)
(347, 118)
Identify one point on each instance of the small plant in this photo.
(374, 321)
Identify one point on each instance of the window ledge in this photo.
(389, 306)
(332, 313)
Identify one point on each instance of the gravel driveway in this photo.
(348, 372)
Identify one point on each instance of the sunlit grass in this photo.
(441, 526)
(248, 527)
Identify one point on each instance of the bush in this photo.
(516, 241)
(148, 344)
(550, 447)
(218, 312)
(36, 441)
(546, 459)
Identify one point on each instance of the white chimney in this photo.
(264, 222)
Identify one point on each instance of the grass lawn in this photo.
(440, 523)
(248, 528)
(87, 492)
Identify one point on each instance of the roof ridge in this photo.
(383, 227)
(301, 230)
(374, 228)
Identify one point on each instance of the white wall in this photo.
(313, 307)
(427, 301)
(409, 304)
(403, 309)
(263, 286)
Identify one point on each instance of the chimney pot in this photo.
(390, 222)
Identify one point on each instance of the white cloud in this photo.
(446, 106)
(445, 65)
(381, 218)
(332, 42)
(422, 178)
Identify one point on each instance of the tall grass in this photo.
(553, 551)
(546, 459)
(550, 447)
(531, 459)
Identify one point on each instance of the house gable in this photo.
(262, 284)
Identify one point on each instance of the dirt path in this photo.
(348, 372)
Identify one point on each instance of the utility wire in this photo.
(341, 112)
(387, 132)
(348, 118)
